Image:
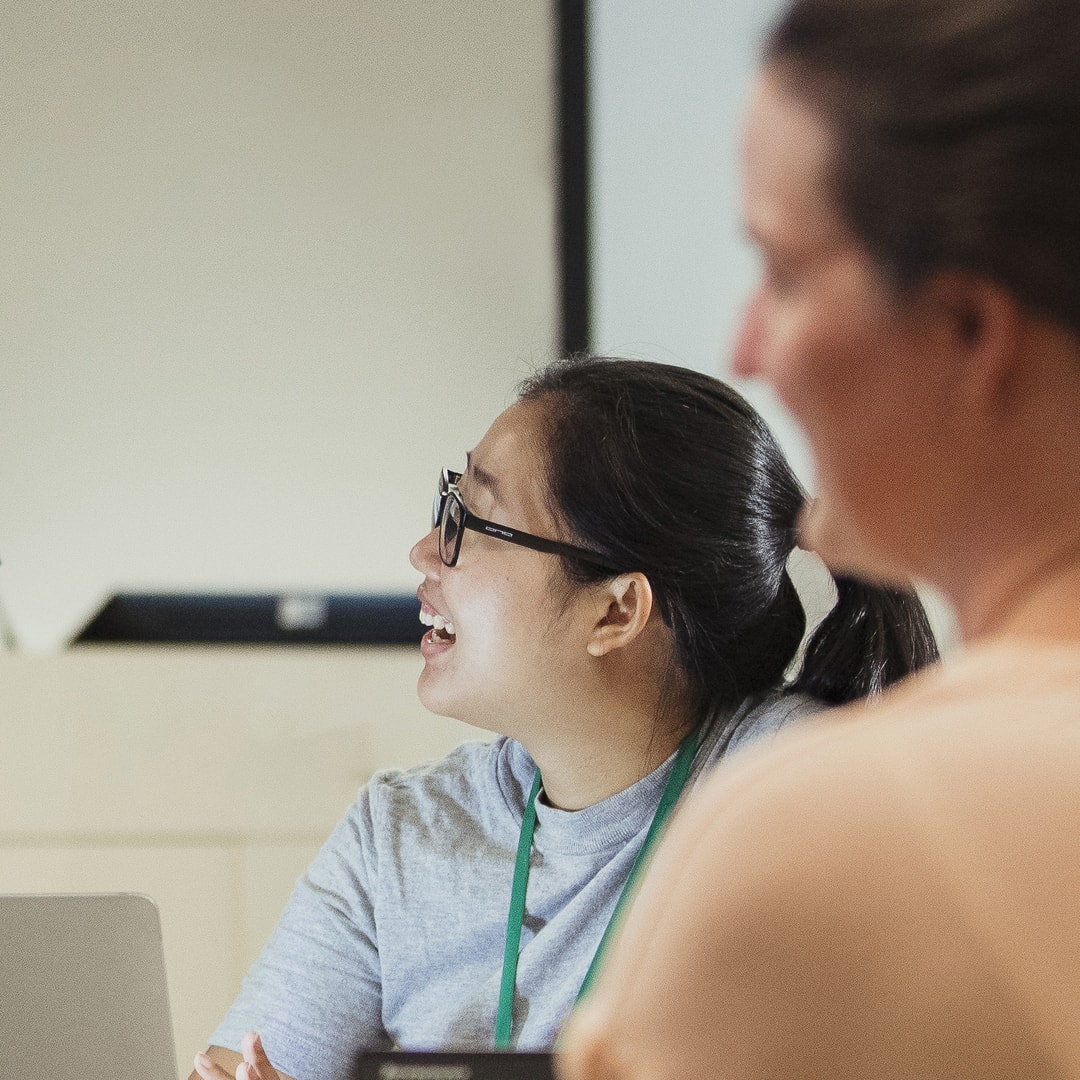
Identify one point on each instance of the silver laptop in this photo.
(82, 988)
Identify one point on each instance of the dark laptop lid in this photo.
(479, 1065)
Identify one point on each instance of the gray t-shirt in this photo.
(395, 934)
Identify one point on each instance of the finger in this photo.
(208, 1070)
(259, 1067)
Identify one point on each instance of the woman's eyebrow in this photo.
(482, 477)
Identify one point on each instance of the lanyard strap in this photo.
(505, 1018)
(675, 784)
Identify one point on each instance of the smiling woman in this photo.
(607, 591)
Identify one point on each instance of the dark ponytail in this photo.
(872, 637)
(669, 472)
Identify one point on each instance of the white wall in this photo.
(266, 267)
(671, 267)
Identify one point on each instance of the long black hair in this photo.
(672, 473)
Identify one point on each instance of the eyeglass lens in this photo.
(450, 530)
(437, 505)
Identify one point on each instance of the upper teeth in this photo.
(436, 621)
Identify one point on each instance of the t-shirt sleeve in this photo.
(314, 994)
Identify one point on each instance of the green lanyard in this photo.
(675, 784)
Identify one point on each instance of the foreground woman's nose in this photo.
(746, 357)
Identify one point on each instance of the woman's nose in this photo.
(746, 356)
(425, 555)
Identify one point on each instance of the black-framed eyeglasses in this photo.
(451, 517)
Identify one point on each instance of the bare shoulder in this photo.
(1001, 710)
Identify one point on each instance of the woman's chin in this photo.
(432, 696)
(831, 532)
(437, 698)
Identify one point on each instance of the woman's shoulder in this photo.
(461, 768)
(473, 778)
(754, 720)
(767, 715)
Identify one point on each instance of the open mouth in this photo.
(441, 629)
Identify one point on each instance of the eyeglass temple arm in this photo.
(537, 543)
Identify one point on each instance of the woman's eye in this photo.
(780, 279)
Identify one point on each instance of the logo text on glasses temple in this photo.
(495, 530)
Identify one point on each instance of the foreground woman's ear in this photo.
(985, 326)
(625, 604)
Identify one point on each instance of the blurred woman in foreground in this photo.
(899, 897)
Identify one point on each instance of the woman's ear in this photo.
(985, 326)
(625, 604)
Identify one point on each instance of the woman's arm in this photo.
(314, 994)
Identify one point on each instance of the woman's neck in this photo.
(580, 772)
(604, 722)
(1033, 592)
(1017, 567)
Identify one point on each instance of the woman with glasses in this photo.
(606, 587)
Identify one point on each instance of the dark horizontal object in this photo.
(462, 1065)
(295, 618)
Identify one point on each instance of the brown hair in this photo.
(957, 126)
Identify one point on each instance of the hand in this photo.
(255, 1064)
